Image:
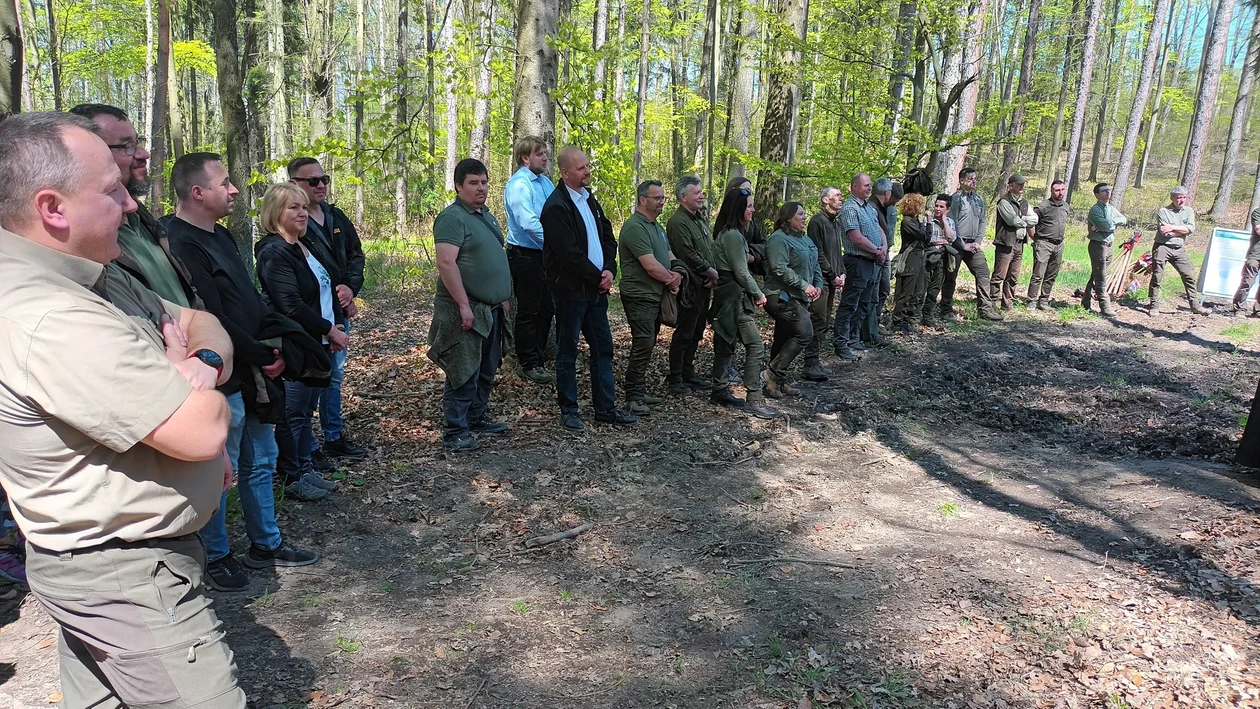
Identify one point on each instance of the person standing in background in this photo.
(1047, 238)
(523, 197)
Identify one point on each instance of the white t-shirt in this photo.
(325, 289)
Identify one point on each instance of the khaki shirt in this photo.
(82, 382)
(1181, 217)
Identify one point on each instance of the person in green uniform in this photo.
(1015, 221)
(1250, 269)
(1101, 221)
(688, 231)
(793, 282)
(1176, 224)
(469, 308)
(735, 301)
(645, 257)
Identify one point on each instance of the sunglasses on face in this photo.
(315, 181)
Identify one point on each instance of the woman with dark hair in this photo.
(793, 280)
(916, 232)
(736, 298)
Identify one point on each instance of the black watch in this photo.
(211, 359)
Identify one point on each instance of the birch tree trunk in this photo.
(146, 120)
(645, 46)
(1246, 81)
(450, 100)
(157, 129)
(1159, 97)
(1027, 69)
(741, 106)
(533, 111)
(479, 139)
(1094, 14)
(1104, 104)
(401, 127)
(783, 99)
(599, 37)
(1154, 39)
(12, 54)
(234, 119)
(1205, 101)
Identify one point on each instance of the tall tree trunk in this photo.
(11, 58)
(54, 54)
(1027, 69)
(714, 68)
(706, 59)
(278, 125)
(599, 37)
(157, 113)
(1151, 122)
(972, 66)
(450, 100)
(233, 119)
(1103, 105)
(1117, 91)
(321, 52)
(677, 87)
(1205, 101)
(479, 138)
(430, 96)
(533, 110)
(175, 110)
(1246, 80)
(1154, 39)
(619, 72)
(783, 99)
(742, 104)
(401, 120)
(645, 46)
(360, 69)
(903, 52)
(146, 106)
(1066, 77)
(1094, 14)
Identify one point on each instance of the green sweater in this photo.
(731, 254)
(1103, 220)
(793, 265)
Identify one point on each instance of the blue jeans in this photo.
(251, 446)
(330, 401)
(587, 316)
(300, 402)
(466, 403)
(861, 284)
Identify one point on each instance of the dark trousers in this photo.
(1099, 259)
(875, 309)
(534, 308)
(933, 279)
(1008, 261)
(688, 334)
(1250, 269)
(792, 333)
(754, 354)
(821, 314)
(979, 268)
(911, 287)
(466, 403)
(644, 318)
(861, 283)
(1176, 257)
(1047, 260)
(586, 316)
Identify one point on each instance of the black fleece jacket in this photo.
(290, 285)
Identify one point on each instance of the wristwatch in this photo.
(211, 359)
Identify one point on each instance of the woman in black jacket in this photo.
(916, 233)
(298, 285)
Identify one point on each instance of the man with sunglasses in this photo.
(146, 251)
(331, 235)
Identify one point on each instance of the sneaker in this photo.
(616, 417)
(638, 408)
(460, 444)
(344, 448)
(651, 400)
(761, 410)
(321, 463)
(304, 491)
(485, 424)
(317, 480)
(226, 574)
(283, 555)
(572, 421)
(537, 375)
(12, 567)
(697, 382)
(724, 397)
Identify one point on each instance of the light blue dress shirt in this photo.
(524, 197)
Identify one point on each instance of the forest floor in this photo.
(1035, 513)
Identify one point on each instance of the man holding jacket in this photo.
(824, 230)
(1014, 221)
(580, 259)
(689, 240)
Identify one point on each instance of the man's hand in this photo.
(812, 293)
(1164, 228)
(175, 339)
(227, 471)
(837, 282)
(345, 296)
(202, 376)
(276, 368)
(338, 340)
(352, 310)
(605, 281)
(465, 317)
(760, 301)
(971, 247)
(507, 307)
(710, 278)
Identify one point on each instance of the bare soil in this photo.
(1035, 513)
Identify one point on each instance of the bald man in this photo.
(580, 260)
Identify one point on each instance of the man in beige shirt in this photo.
(111, 432)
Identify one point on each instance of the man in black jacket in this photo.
(580, 260)
(332, 236)
(205, 195)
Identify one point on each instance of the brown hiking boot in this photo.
(774, 389)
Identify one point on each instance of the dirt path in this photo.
(1027, 514)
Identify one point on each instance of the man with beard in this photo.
(146, 251)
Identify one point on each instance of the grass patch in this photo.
(520, 607)
(1072, 313)
(347, 645)
(948, 509)
(399, 264)
(567, 596)
(1241, 332)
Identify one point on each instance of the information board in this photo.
(1223, 264)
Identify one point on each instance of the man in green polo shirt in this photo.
(688, 231)
(469, 308)
(645, 257)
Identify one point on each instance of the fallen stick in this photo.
(475, 693)
(558, 536)
(745, 459)
(793, 560)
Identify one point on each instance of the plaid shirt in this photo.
(860, 215)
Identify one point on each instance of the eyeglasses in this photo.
(314, 181)
(128, 148)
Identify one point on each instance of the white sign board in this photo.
(1223, 264)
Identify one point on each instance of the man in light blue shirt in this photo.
(523, 197)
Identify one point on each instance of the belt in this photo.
(118, 544)
(860, 257)
(523, 249)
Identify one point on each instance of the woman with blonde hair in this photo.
(299, 287)
(910, 266)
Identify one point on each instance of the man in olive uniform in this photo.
(1176, 224)
(1047, 238)
(824, 230)
(1250, 269)
(688, 231)
(1101, 222)
(967, 208)
(1014, 221)
(470, 307)
(643, 250)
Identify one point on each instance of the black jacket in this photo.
(568, 270)
(290, 285)
(221, 278)
(306, 359)
(914, 234)
(344, 256)
(158, 233)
